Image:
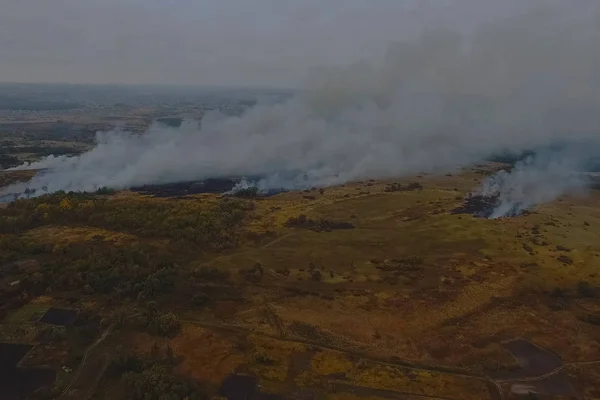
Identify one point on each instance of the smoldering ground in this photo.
(436, 103)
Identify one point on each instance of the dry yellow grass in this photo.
(477, 278)
(270, 358)
(65, 235)
(477, 282)
(207, 356)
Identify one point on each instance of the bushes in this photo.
(127, 270)
(151, 377)
(156, 322)
(397, 187)
(105, 191)
(210, 274)
(586, 290)
(247, 193)
(213, 226)
(164, 324)
(253, 274)
(319, 225)
(565, 260)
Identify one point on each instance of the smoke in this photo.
(439, 102)
(537, 179)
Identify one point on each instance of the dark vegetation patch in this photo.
(8, 161)
(560, 297)
(176, 189)
(152, 376)
(592, 319)
(208, 226)
(478, 206)
(314, 333)
(508, 157)
(585, 289)
(155, 322)
(398, 187)
(59, 316)
(174, 122)
(318, 225)
(253, 274)
(247, 193)
(410, 267)
(14, 103)
(144, 270)
(211, 274)
(565, 259)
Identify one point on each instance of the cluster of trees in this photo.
(247, 193)
(206, 226)
(12, 104)
(151, 377)
(8, 161)
(39, 151)
(144, 270)
(154, 321)
(137, 271)
(13, 247)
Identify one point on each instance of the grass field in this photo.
(28, 313)
(413, 300)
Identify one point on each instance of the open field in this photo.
(355, 292)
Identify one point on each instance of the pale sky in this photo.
(212, 42)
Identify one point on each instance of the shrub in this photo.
(318, 225)
(565, 260)
(200, 300)
(247, 193)
(586, 290)
(211, 274)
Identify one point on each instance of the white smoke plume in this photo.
(537, 179)
(440, 102)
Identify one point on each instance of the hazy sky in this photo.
(221, 42)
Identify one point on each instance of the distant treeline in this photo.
(174, 122)
(27, 105)
(7, 161)
(38, 150)
(509, 157)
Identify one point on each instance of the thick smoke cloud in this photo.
(436, 103)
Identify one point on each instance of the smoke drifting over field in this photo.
(535, 180)
(436, 103)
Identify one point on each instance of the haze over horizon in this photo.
(264, 43)
(453, 85)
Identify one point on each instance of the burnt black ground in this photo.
(186, 188)
(478, 206)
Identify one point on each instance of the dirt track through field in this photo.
(495, 386)
(65, 393)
